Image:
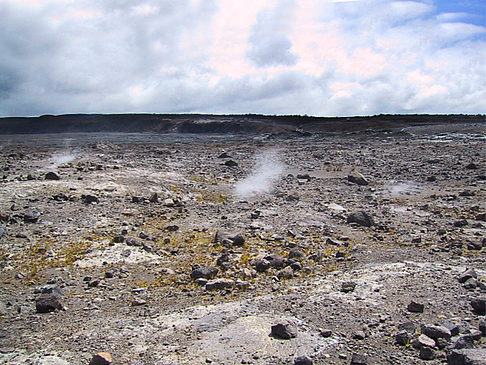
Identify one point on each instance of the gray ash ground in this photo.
(128, 239)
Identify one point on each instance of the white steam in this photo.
(61, 158)
(268, 168)
(400, 188)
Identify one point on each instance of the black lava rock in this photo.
(207, 272)
(46, 303)
(52, 176)
(284, 329)
(361, 218)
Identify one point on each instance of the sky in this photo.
(313, 57)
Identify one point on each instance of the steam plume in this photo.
(268, 168)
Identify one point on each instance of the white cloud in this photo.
(263, 56)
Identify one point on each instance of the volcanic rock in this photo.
(472, 166)
(357, 178)
(130, 241)
(471, 284)
(466, 275)
(238, 240)
(284, 329)
(422, 341)
(88, 199)
(426, 353)
(359, 359)
(52, 176)
(303, 360)
(348, 286)
(220, 284)
(101, 358)
(403, 338)
(137, 199)
(31, 217)
(46, 303)
(479, 306)
(361, 218)
(207, 272)
(482, 328)
(286, 273)
(118, 238)
(296, 253)
(415, 307)
(465, 341)
(275, 261)
(261, 265)
(231, 163)
(461, 223)
(467, 357)
(154, 198)
(230, 239)
(452, 327)
(436, 332)
(172, 228)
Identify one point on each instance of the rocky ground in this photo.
(354, 249)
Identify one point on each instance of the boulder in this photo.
(261, 265)
(467, 357)
(426, 353)
(229, 239)
(275, 261)
(482, 328)
(359, 359)
(452, 327)
(466, 275)
(154, 198)
(465, 341)
(296, 253)
(284, 329)
(89, 199)
(207, 272)
(479, 306)
(286, 273)
(31, 217)
(357, 178)
(52, 176)
(422, 341)
(361, 218)
(348, 286)
(415, 307)
(46, 303)
(231, 163)
(101, 358)
(130, 241)
(220, 284)
(436, 332)
(403, 338)
(303, 360)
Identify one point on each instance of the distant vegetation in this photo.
(221, 124)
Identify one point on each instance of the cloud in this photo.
(223, 56)
(269, 44)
